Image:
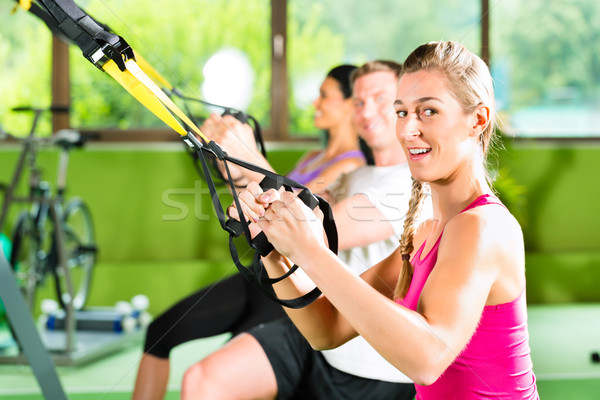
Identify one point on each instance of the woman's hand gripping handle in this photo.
(279, 219)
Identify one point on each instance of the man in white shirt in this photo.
(273, 360)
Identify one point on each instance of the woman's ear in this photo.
(481, 119)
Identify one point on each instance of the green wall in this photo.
(561, 221)
(562, 192)
(156, 228)
(158, 235)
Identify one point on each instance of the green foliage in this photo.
(390, 29)
(549, 46)
(327, 33)
(177, 38)
(25, 46)
(547, 49)
(313, 50)
(512, 193)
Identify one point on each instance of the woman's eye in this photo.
(401, 113)
(429, 112)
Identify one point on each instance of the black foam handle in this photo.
(261, 244)
(260, 241)
(239, 115)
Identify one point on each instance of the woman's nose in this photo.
(407, 128)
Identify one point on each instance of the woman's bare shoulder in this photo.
(492, 232)
(421, 232)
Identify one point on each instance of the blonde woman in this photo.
(448, 307)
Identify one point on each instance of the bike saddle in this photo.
(67, 138)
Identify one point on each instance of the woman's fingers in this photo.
(232, 212)
(287, 205)
(269, 196)
(210, 125)
(285, 219)
(291, 227)
(253, 227)
(253, 202)
(319, 214)
(296, 207)
(251, 208)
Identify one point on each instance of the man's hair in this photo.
(376, 66)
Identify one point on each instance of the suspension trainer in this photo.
(113, 55)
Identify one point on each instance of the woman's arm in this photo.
(237, 139)
(322, 323)
(421, 344)
(383, 276)
(359, 222)
(320, 184)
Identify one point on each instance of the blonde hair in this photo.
(470, 81)
(418, 193)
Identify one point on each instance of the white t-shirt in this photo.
(388, 189)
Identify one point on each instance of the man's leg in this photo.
(232, 305)
(239, 370)
(152, 378)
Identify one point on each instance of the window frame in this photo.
(278, 131)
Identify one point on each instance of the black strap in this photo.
(256, 271)
(81, 29)
(99, 44)
(72, 24)
(213, 162)
(49, 21)
(238, 114)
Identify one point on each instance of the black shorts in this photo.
(303, 373)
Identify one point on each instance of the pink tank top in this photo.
(496, 363)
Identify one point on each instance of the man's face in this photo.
(373, 98)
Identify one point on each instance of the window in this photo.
(546, 66)
(543, 59)
(187, 43)
(326, 33)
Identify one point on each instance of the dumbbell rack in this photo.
(96, 334)
(75, 337)
(33, 349)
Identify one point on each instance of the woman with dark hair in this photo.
(317, 169)
(235, 305)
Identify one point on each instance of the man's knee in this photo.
(195, 383)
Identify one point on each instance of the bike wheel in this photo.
(24, 257)
(80, 250)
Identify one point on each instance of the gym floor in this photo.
(562, 339)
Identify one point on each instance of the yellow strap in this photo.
(151, 72)
(24, 4)
(142, 94)
(134, 68)
(136, 82)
